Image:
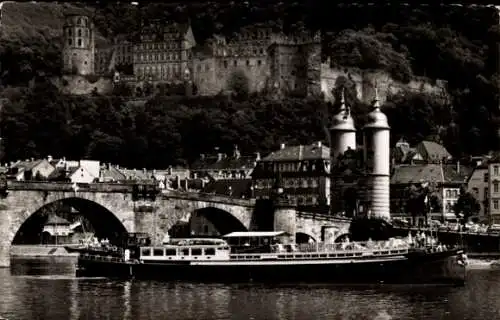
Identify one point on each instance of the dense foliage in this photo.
(456, 44)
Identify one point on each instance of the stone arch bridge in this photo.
(112, 207)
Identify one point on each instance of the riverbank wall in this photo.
(40, 251)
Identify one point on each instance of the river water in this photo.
(47, 289)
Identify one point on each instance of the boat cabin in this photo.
(187, 249)
(256, 241)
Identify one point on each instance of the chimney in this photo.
(458, 166)
(257, 156)
(219, 156)
(186, 184)
(144, 170)
(117, 167)
(319, 144)
(282, 146)
(202, 156)
(49, 158)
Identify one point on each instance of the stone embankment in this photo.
(40, 251)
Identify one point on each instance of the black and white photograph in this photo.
(253, 160)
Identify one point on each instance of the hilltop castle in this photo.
(263, 58)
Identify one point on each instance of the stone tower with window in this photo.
(78, 48)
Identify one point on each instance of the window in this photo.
(196, 252)
(146, 252)
(70, 42)
(79, 42)
(235, 63)
(170, 252)
(79, 21)
(157, 252)
(495, 204)
(209, 251)
(486, 176)
(259, 62)
(486, 196)
(475, 191)
(79, 32)
(185, 252)
(495, 186)
(248, 63)
(495, 170)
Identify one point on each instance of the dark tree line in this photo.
(458, 45)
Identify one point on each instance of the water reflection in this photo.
(48, 290)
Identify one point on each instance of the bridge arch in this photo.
(302, 237)
(341, 237)
(214, 221)
(104, 222)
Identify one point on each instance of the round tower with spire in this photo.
(376, 141)
(343, 138)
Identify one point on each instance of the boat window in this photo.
(210, 251)
(146, 252)
(170, 252)
(157, 252)
(196, 252)
(185, 252)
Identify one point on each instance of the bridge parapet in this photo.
(208, 197)
(322, 217)
(68, 186)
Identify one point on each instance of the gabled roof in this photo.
(410, 174)
(226, 163)
(297, 153)
(27, 165)
(55, 219)
(239, 187)
(113, 173)
(432, 151)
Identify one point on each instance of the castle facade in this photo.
(258, 57)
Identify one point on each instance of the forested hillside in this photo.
(452, 43)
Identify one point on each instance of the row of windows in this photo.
(288, 183)
(158, 57)
(159, 252)
(158, 46)
(304, 166)
(452, 193)
(164, 70)
(235, 63)
(79, 32)
(79, 43)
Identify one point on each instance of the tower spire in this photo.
(343, 107)
(376, 100)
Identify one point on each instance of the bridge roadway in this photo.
(115, 208)
(477, 242)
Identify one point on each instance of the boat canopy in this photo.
(251, 234)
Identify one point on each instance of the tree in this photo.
(239, 84)
(422, 199)
(466, 206)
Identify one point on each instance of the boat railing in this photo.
(352, 246)
(96, 257)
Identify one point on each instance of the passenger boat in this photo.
(272, 257)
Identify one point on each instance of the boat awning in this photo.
(242, 234)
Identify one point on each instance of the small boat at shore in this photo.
(273, 257)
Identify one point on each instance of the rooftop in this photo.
(296, 153)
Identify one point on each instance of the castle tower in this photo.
(343, 137)
(78, 48)
(376, 139)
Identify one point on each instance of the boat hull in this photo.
(429, 268)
